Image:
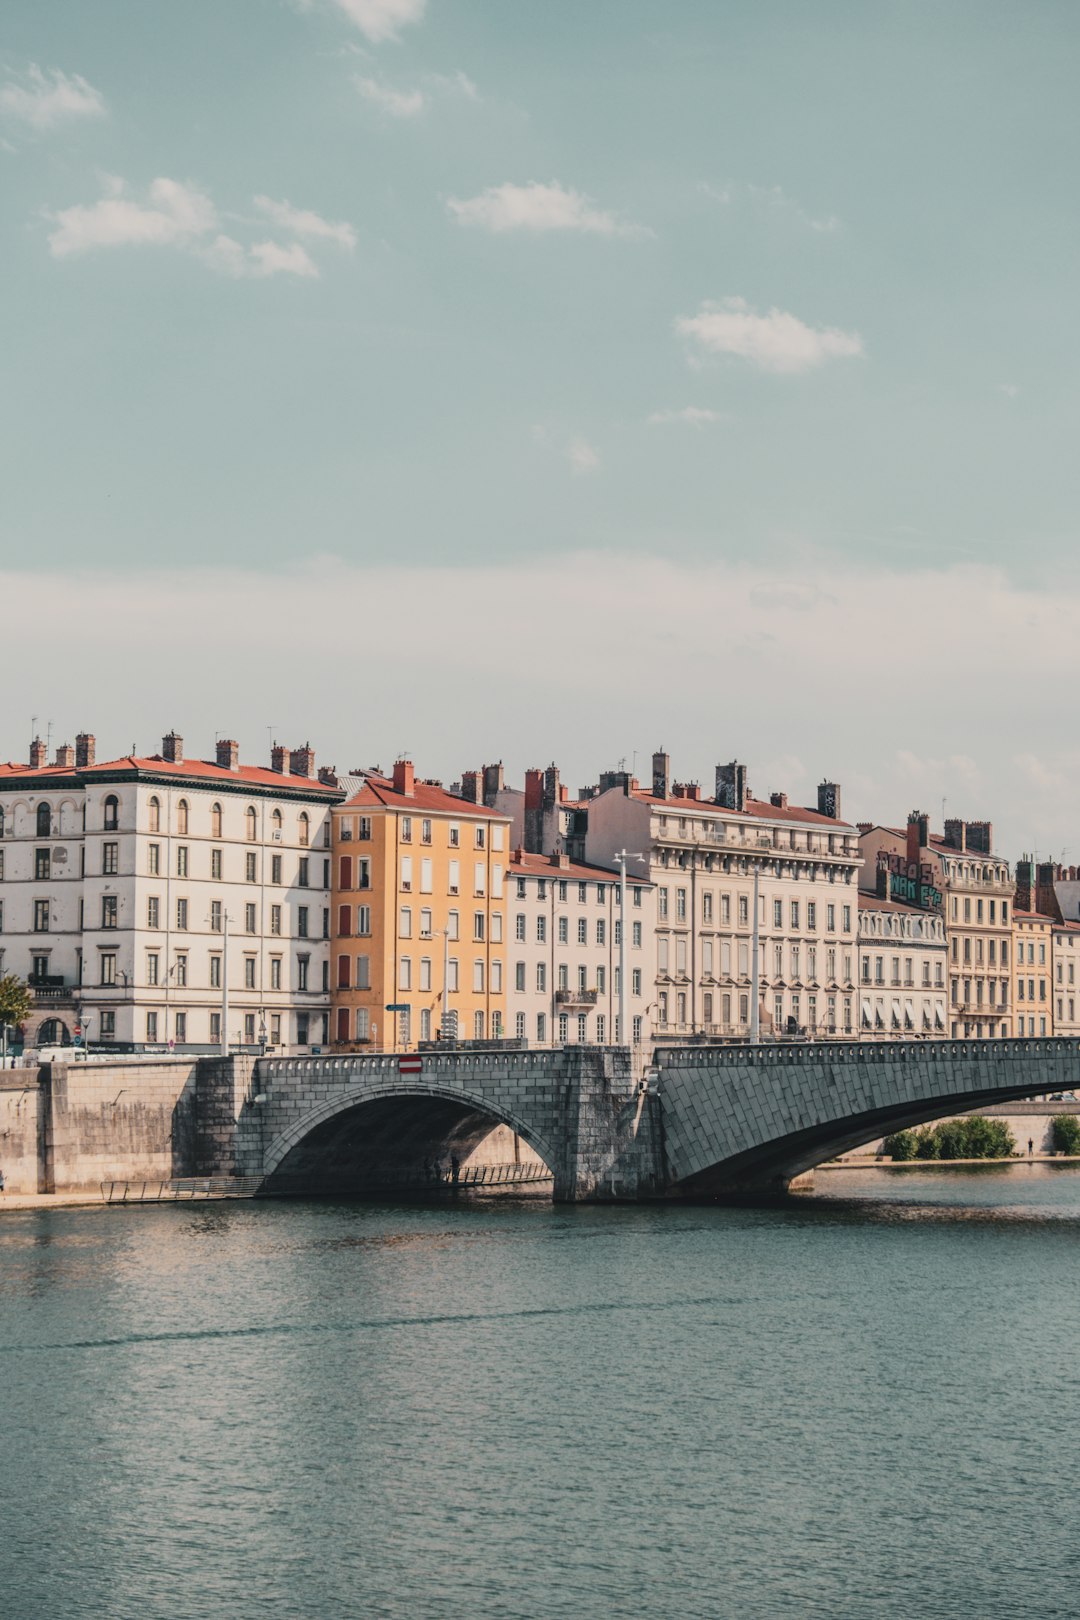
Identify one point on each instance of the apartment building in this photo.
(143, 896)
(1033, 946)
(418, 915)
(958, 876)
(707, 858)
(566, 928)
(903, 962)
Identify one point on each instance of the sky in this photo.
(550, 382)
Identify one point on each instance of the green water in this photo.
(860, 1403)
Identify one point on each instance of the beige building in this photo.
(903, 963)
(959, 877)
(1033, 943)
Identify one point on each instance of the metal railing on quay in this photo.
(184, 1189)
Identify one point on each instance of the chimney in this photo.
(732, 791)
(693, 790)
(472, 787)
(278, 756)
(534, 812)
(328, 775)
(172, 748)
(38, 754)
(955, 834)
(917, 830)
(828, 800)
(1024, 898)
(85, 746)
(560, 859)
(1046, 900)
(778, 800)
(661, 775)
(494, 782)
(404, 777)
(864, 826)
(228, 754)
(65, 756)
(980, 837)
(302, 761)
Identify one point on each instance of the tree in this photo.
(901, 1145)
(1065, 1130)
(16, 1000)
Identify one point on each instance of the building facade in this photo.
(958, 876)
(903, 961)
(1033, 1000)
(418, 916)
(706, 859)
(564, 953)
(147, 898)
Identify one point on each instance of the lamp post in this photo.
(621, 858)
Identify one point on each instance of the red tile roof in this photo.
(380, 791)
(760, 809)
(524, 864)
(188, 770)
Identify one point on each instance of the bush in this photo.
(974, 1138)
(1065, 1133)
(901, 1145)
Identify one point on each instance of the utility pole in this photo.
(621, 859)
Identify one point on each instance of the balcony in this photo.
(576, 998)
(50, 987)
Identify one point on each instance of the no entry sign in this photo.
(410, 1065)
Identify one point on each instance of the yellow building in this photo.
(418, 916)
(1032, 965)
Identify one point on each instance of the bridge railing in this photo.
(432, 1063)
(179, 1190)
(798, 1054)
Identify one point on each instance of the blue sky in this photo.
(561, 292)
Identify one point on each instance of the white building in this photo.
(565, 926)
(134, 892)
(903, 990)
(702, 855)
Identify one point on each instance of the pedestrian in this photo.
(1, 1181)
(1031, 1147)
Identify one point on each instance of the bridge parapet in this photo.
(801, 1054)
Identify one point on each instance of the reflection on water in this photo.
(855, 1403)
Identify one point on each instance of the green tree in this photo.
(16, 1000)
(974, 1138)
(1065, 1132)
(901, 1145)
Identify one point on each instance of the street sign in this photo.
(397, 1006)
(410, 1065)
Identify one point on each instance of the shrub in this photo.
(974, 1138)
(1065, 1133)
(901, 1145)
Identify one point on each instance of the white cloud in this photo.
(259, 260)
(398, 103)
(581, 456)
(694, 415)
(775, 198)
(380, 20)
(1010, 390)
(176, 213)
(777, 341)
(44, 99)
(303, 222)
(537, 207)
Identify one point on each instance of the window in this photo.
(635, 981)
(582, 931)
(404, 921)
(181, 914)
(707, 906)
(847, 919)
(181, 972)
(108, 967)
(479, 836)
(152, 967)
(479, 875)
(426, 875)
(601, 931)
(478, 975)
(275, 919)
(112, 813)
(425, 922)
(249, 1029)
(521, 891)
(425, 973)
(811, 915)
(153, 912)
(107, 1024)
(635, 934)
(181, 817)
(275, 869)
(519, 976)
(250, 918)
(44, 820)
(830, 919)
(454, 877)
(541, 977)
(519, 925)
(563, 928)
(452, 977)
(405, 973)
(181, 860)
(153, 859)
(155, 814)
(519, 1026)
(109, 911)
(744, 910)
(662, 903)
(541, 929)
(363, 973)
(496, 927)
(215, 821)
(275, 973)
(151, 1026)
(302, 873)
(478, 925)
(251, 824)
(680, 905)
(406, 829)
(42, 863)
(250, 867)
(302, 922)
(215, 973)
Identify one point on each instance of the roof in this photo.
(378, 792)
(157, 767)
(525, 864)
(1034, 917)
(756, 809)
(868, 901)
(937, 843)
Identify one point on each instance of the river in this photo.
(862, 1402)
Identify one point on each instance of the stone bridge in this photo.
(709, 1122)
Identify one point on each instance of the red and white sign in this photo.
(410, 1065)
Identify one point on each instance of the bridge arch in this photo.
(385, 1133)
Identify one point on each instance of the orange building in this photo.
(418, 916)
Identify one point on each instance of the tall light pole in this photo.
(621, 858)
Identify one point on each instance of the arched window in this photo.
(305, 829)
(44, 820)
(155, 814)
(215, 821)
(182, 816)
(252, 822)
(112, 812)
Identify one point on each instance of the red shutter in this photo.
(344, 921)
(343, 1024)
(343, 974)
(346, 872)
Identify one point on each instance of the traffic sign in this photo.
(397, 1006)
(410, 1065)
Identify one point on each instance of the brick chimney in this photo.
(828, 800)
(404, 777)
(302, 761)
(38, 754)
(1046, 900)
(732, 789)
(1023, 896)
(661, 775)
(778, 800)
(172, 748)
(472, 787)
(65, 757)
(494, 782)
(980, 837)
(278, 757)
(560, 859)
(918, 836)
(85, 747)
(955, 832)
(328, 775)
(228, 754)
(534, 812)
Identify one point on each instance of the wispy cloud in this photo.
(777, 341)
(581, 456)
(1010, 390)
(259, 260)
(380, 20)
(398, 103)
(773, 198)
(43, 99)
(537, 207)
(304, 222)
(693, 415)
